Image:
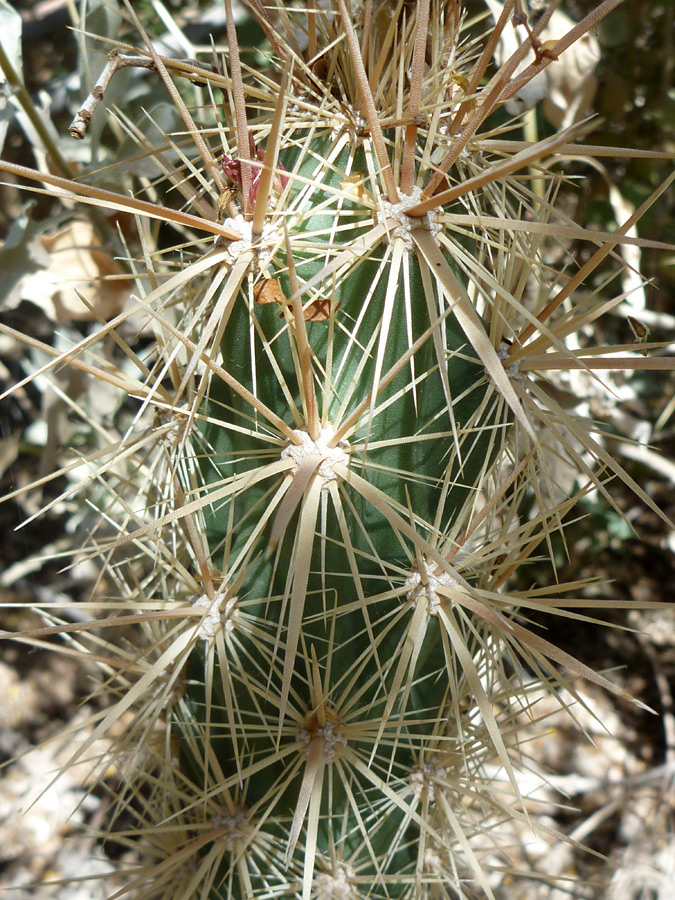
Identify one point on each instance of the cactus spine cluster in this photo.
(340, 455)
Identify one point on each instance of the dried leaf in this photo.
(567, 86)
(78, 265)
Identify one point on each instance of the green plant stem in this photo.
(24, 98)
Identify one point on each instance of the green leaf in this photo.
(21, 255)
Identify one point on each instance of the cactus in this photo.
(344, 445)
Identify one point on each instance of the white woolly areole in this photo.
(331, 455)
(467, 155)
(335, 885)
(422, 778)
(433, 862)
(333, 738)
(221, 615)
(417, 590)
(407, 223)
(357, 127)
(176, 418)
(264, 244)
(237, 828)
(513, 371)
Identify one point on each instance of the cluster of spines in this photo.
(334, 479)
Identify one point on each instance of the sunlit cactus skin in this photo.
(345, 445)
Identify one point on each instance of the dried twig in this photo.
(117, 61)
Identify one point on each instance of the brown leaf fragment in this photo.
(269, 291)
(354, 187)
(546, 50)
(320, 309)
(640, 333)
